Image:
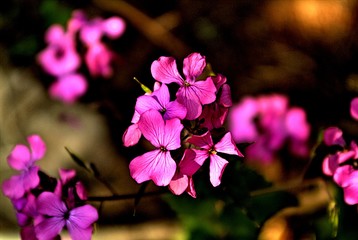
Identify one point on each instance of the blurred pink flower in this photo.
(60, 56)
(269, 124)
(68, 88)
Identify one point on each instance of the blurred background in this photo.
(305, 49)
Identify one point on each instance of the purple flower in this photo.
(98, 59)
(207, 149)
(160, 100)
(23, 158)
(333, 136)
(157, 165)
(191, 93)
(57, 215)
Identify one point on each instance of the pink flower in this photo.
(157, 165)
(77, 220)
(183, 178)
(333, 136)
(60, 56)
(98, 59)
(270, 125)
(69, 88)
(207, 149)
(214, 114)
(354, 108)
(160, 100)
(191, 93)
(23, 158)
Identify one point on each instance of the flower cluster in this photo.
(185, 123)
(45, 205)
(269, 124)
(343, 164)
(62, 60)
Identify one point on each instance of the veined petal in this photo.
(145, 103)
(155, 165)
(174, 109)
(78, 233)
(217, 166)
(50, 204)
(187, 97)
(219, 80)
(165, 70)
(83, 216)
(162, 95)
(151, 124)
(172, 130)
(205, 90)
(49, 228)
(37, 146)
(202, 141)
(193, 65)
(131, 136)
(20, 157)
(227, 145)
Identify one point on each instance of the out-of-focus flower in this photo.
(269, 124)
(60, 56)
(23, 158)
(68, 88)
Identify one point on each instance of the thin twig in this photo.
(157, 33)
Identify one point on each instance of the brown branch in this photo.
(156, 31)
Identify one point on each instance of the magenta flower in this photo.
(333, 136)
(78, 221)
(183, 178)
(191, 93)
(98, 60)
(23, 158)
(157, 165)
(270, 124)
(214, 114)
(354, 108)
(60, 56)
(160, 100)
(207, 149)
(69, 88)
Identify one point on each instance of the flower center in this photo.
(212, 151)
(163, 149)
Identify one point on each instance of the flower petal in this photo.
(151, 124)
(193, 66)
(188, 98)
(351, 194)
(202, 141)
(132, 135)
(13, 187)
(50, 204)
(165, 70)
(78, 233)
(49, 228)
(205, 90)
(83, 216)
(155, 165)
(179, 183)
(354, 108)
(227, 145)
(20, 157)
(217, 166)
(172, 130)
(37, 146)
(145, 103)
(175, 109)
(192, 160)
